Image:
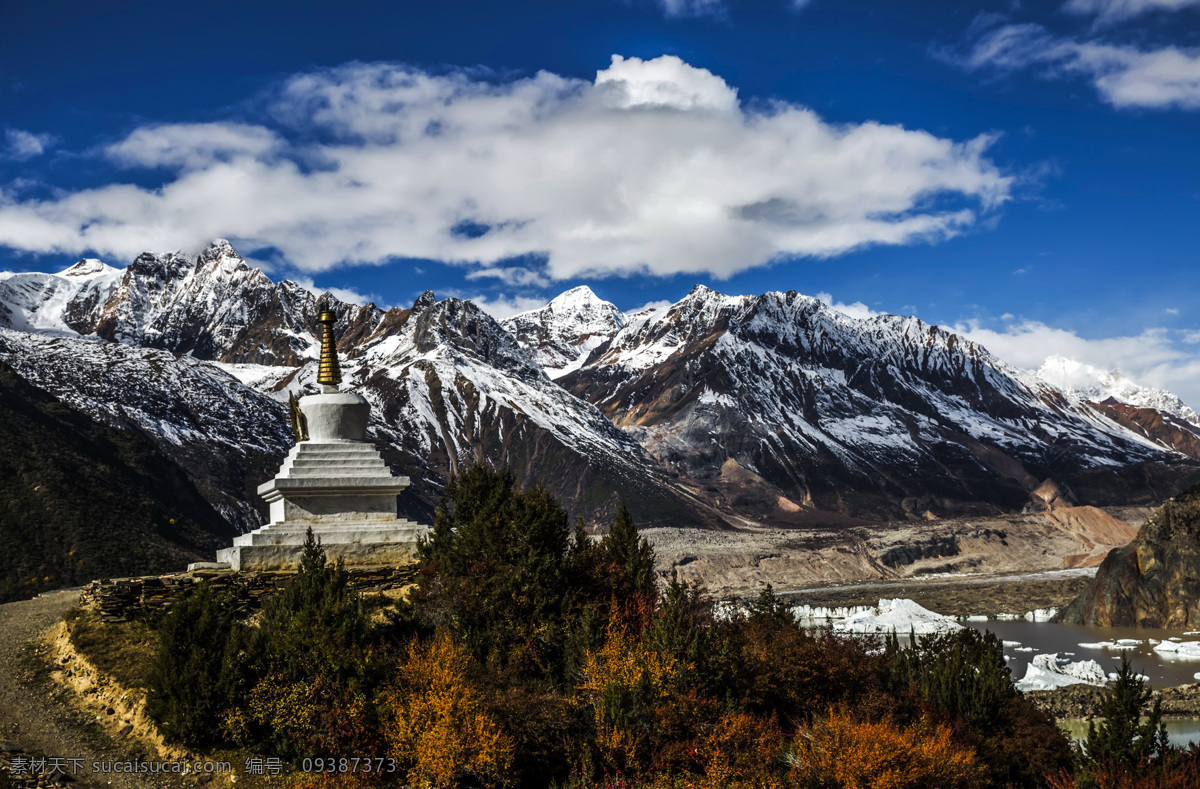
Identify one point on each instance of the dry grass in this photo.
(122, 650)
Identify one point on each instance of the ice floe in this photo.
(1111, 644)
(1049, 671)
(1179, 650)
(899, 615)
(1011, 643)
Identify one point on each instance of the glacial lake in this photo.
(1041, 637)
(1180, 731)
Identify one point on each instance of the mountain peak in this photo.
(426, 299)
(87, 268)
(221, 257)
(574, 298)
(563, 333)
(1098, 385)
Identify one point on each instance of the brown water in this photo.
(1180, 731)
(1163, 670)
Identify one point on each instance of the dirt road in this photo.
(37, 717)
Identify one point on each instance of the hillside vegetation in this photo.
(529, 655)
(79, 500)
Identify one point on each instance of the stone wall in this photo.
(117, 599)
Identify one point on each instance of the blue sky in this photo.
(1028, 173)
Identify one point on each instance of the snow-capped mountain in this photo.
(860, 416)
(227, 436)
(561, 335)
(711, 410)
(213, 306)
(447, 383)
(1098, 386)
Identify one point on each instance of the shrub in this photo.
(316, 625)
(842, 752)
(961, 673)
(199, 668)
(963, 676)
(314, 666)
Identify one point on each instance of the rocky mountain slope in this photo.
(1155, 580)
(448, 384)
(717, 410)
(561, 335)
(80, 499)
(882, 417)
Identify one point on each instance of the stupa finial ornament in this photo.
(329, 374)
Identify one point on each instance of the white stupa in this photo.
(333, 482)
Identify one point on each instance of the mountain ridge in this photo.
(712, 410)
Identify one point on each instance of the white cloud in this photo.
(1151, 358)
(1172, 310)
(652, 167)
(22, 145)
(1125, 76)
(855, 310)
(347, 295)
(511, 275)
(1116, 10)
(666, 83)
(673, 8)
(502, 307)
(192, 145)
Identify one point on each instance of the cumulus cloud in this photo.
(501, 307)
(1152, 358)
(855, 310)
(1125, 76)
(22, 145)
(652, 167)
(192, 145)
(1116, 10)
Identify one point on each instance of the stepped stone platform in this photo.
(344, 492)
(335, 483)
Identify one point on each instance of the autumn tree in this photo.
(437, 722)
(844, 752)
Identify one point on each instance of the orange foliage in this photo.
(1178, 771)
(436, 721)
(623, 683)
(847, 753)
(742, 750)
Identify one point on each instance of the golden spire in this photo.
(328, 373)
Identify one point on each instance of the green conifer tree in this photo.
(1123, 737)
(632, 553)
(199, 668)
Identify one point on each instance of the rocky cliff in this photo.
(1155, 580)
